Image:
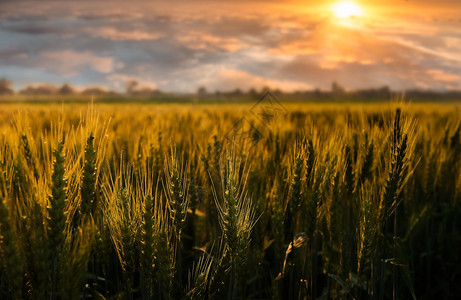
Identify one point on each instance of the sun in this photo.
(346, 10)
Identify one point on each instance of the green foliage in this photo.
(10, 255)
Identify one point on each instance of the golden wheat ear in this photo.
(56, 221)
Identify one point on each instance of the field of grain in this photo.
(312, 201)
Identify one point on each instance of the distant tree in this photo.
(381, 93)
(277, 92)
(252, 93)
(337, 89)
(237, 92)
(130, 86)
(5, 87)
(385, 91)
(43, 89)
(265, 89)
(66, 89)
(201, 91)
(146, 91)
(94, 91)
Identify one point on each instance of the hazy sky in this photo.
(181, 45)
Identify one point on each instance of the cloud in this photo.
(197, 40)
(445, 77)
(119, 82)
(100, 15)
(117, 35)
(12, 54)
(37, 29)
(231, 79)
(225, 45)
(69, 63)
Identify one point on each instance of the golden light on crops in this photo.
(346, 10)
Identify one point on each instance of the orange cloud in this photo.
(290, 45)
(117, 35)
(202, 41)
(440, 75)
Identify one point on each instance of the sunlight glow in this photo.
(346, 10)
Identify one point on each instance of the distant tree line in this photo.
(337, 92)
(5, 87)
(132, 87)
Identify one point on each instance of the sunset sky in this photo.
(223, 45)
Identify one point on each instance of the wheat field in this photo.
(140, 201)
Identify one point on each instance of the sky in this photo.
(222, 45)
